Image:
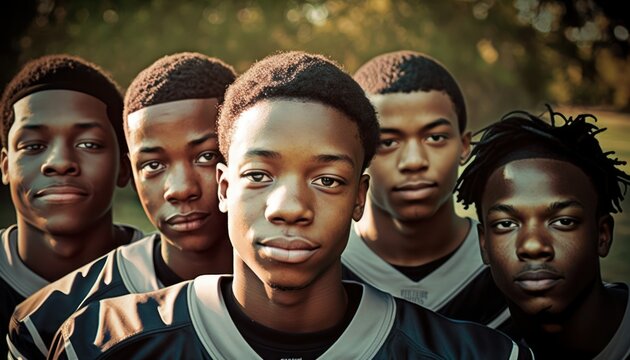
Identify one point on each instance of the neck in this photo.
(319, 306)
(188, 264)
(582, 330)
(412, 243)
(52, 256)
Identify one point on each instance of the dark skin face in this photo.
(410, 218)
(290, 206)
(174, 152)
(542, 236)
(414, 171)
(62, 162)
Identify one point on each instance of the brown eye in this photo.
(207, 157)
(89, 145)
(152, 166)
(257, 177)
(328, 182)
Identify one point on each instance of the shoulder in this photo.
(121, 322)
(36, 320)
(133, 233)
(429, 332)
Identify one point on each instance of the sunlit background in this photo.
(506, 55)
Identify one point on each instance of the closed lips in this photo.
(288, 250)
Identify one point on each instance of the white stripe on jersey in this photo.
(135, 262)
(433, 291)
(12, 269)
(362, 339)
(619, 346)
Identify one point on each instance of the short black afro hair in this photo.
(299, 75)
(176, 77)
(69, 73)
(520, 135)
(409, 71)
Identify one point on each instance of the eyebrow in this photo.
(555, 206)
(192, 143)
(88, 125)
(202, 139)
(332, 158)
(559, 205)
(82, 126)
(429, 126)
(502, 208)
(323, 158)
(262, 153)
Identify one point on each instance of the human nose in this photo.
(60, 161)
(182, 185)
(412, 157)
(289, 204)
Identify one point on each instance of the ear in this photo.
(223, 182)
(482, 243)
(466, 147)
(359, 204)
(4, 161)
(605, 227)
(124, 174)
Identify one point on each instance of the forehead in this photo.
(297, 128)
(171, 120)
(405, 109)
(537, 181)
(59, 108)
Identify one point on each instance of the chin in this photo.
(415, 213)
(287, 283)
(65, 226)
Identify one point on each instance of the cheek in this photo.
(501, 256)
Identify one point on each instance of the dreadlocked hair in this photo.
(570, 138)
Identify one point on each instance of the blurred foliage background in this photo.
(574, 54)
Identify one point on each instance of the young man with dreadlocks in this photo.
(63, 154)
(170, 124)
(410, 241)
(290, 205)
(544, 194)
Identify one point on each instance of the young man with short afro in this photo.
(297, 133)
(544, 193)
(170, 123)
(63, 154)
(410, 242)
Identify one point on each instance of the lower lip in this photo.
(187, 226)
(62, 198)
(286, 256)
(537, 285)
(416, 194)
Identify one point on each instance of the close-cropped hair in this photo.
(180, 76)
(521, 135)
(63, 72)
(302, 76)
(410, 71)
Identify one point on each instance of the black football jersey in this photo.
(190, 320)
(124, 270)
(461, 288)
